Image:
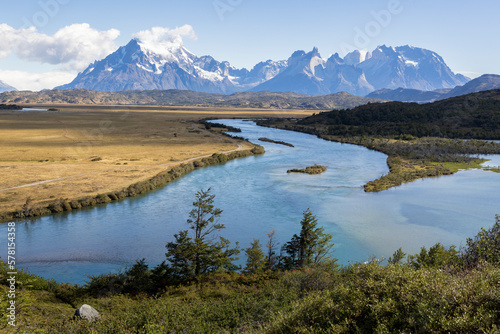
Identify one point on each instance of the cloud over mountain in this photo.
(162, 39)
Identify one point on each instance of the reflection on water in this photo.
(257, 195)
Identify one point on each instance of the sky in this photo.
(45, 43)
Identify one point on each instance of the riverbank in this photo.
(49, 158)
(409, 158)
(30, 209)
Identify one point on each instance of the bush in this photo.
(397, 299)
(485, 247)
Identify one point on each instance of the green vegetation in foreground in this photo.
(301, 289)
(314, 169)
(438, 290)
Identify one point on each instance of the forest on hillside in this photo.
(471, 116)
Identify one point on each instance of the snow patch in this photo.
(411, 63)
(362, 55)
(316, 61)
(144, 68)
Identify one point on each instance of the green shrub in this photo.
(484, 247)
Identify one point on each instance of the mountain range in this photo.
(5, 87)
(482, 83)
(142, 66)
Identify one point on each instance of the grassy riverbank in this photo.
(31, 209)
(416, 137)
(409, 158)
(49, 160)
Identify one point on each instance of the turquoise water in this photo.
(257, 195)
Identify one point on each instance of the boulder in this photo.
(87, 312)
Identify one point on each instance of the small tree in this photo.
(311, 247)
(256, 261)
(485, 247)
(271, 259)
(397, 257)
(191, 256)
(138, 278)
(292, 251)
(437, 257)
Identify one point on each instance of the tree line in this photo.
(199, 251)
(474, 116)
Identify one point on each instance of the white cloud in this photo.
(160, 39)
(74, 46)
(35, 81)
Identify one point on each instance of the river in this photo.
(257, 195)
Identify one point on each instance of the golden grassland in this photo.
(86, 150)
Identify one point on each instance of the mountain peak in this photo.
(298, 53)
(335, 58)
(315, 52)
(357, 56)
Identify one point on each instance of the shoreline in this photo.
(139, 188)
(401, 169)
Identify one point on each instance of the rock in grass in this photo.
(87, 312)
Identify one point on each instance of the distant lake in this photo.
(257, 195)
(34, 109)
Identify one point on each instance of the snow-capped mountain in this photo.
(147, 66)
(409, 67)
(361, 72)
(5, 88)
(308, 73)
(144, 66)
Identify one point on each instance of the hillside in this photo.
(408, 95)
(484, 82)
(173, 97)
(470, 116)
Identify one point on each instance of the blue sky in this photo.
(243, 32)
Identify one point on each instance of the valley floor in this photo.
(81, 151)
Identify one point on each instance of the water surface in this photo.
(257, 195)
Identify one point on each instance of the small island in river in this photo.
(275, 141)
(315, 169)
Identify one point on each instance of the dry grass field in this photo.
(83, 151)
